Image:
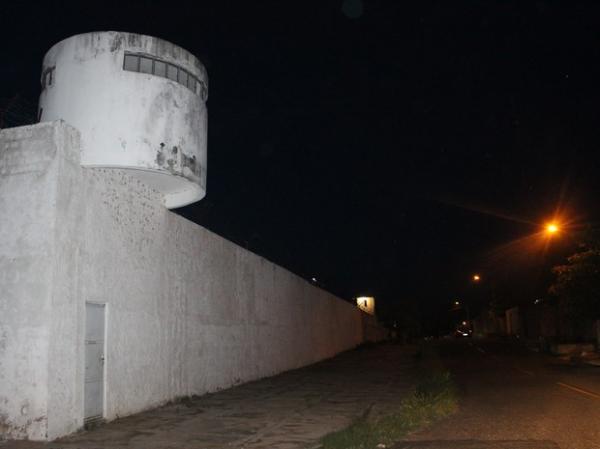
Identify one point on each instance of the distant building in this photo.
(366, 304)
(513, 322)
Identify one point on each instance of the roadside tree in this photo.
(577, 282)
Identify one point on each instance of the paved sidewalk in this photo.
(291, 410)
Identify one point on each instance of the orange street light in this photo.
(476, 278)
(552, 228)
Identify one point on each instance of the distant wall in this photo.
(513, 321)
(188, 312)
(488, 323)
(373, 331)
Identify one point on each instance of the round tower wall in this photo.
(139, 103)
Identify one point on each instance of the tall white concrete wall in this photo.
(28, 179)
(187, 311)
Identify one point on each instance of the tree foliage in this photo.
(577, 282)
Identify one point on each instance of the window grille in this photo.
(153, 66)
(47, 77)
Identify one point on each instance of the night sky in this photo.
(382, 147)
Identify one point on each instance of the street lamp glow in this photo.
(476, 277)
(551, 228)
(456, 303)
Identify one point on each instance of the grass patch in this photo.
(434, 397)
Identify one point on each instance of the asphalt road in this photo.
(512, 398)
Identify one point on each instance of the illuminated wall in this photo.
(188, 312)
(139, 103)
(366, 304)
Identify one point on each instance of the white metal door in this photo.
(94, 362)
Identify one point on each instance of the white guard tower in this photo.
(139, 103)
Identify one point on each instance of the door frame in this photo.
(104, 371)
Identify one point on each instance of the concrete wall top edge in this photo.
(18, 131)
(248, 253)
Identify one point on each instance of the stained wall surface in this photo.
(28, 176)
(188, 312)
(142, 116)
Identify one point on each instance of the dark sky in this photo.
(383, 147)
